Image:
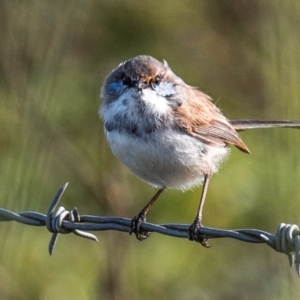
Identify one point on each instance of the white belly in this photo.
(166, 158)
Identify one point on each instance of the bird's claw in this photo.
(194, 234)
(135, 228)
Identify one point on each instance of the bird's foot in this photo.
(194, 234)
(136, 224)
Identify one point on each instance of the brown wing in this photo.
(199, 117)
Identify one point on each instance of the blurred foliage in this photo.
(54, 56)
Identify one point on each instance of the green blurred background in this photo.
(54, 57)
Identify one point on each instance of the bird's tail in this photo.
(240, 125)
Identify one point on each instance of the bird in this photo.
(168, 133)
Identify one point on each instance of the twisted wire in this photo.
(61, 221)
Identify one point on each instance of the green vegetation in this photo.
(54, 56)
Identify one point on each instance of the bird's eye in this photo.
(126, 80)
(155, 81)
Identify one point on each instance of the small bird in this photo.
(166, 132)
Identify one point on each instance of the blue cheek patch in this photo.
(115, 87)
(166, 89)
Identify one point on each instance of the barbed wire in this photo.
(286, 239)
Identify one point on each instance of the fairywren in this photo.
(166, 132)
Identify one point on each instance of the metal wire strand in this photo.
(61, 221)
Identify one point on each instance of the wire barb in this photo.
(58, 220)
(54, 220)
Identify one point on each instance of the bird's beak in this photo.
(140, 85)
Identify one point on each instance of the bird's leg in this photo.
(197, 222)
(140, 218)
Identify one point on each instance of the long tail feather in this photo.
(240, 125)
